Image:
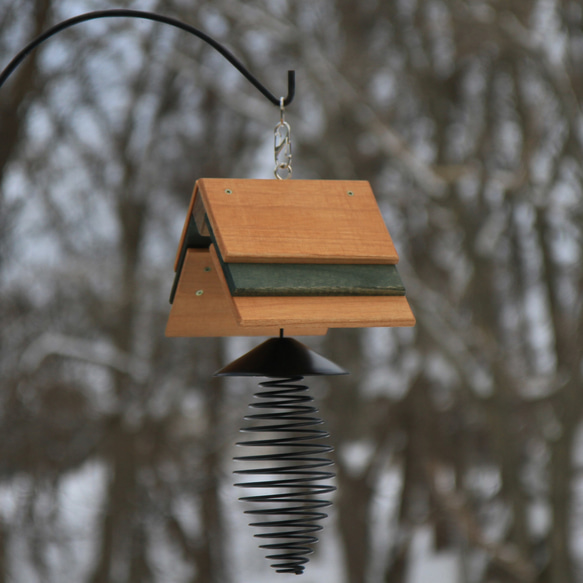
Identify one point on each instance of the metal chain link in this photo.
(282, 146)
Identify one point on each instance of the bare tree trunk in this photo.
(501, 410)
(3, 562)
(345, 410)
(121, 503)
(13, 105)
(211, 555)
(117, 529)
(567, 405)
(140, 570)
(353, 512)
(13, 102)
(561, 562)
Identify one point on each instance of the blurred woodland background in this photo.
(459, 444)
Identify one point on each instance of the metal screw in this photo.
(207, 268)
(228, 191)
(199, 292)
(350, 193)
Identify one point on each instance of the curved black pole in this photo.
(115, 13)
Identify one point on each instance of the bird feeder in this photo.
(257, 256)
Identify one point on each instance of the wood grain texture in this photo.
(297, 221)
(211, 313)
(332, 312)
(199, 215)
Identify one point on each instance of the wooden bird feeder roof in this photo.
(256, 256)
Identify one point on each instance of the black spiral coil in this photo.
(294, 496)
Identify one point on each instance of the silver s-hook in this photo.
(282, 146)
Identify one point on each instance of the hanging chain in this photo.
(282, 146)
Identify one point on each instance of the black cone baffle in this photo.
(281, 357)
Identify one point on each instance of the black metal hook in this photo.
(11, 67)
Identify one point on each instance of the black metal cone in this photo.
(278, 358)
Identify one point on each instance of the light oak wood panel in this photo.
(332, 312)
(296, 221)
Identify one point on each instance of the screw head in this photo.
(199, 292)
(228, 191)
(350, 193)
(207, 268)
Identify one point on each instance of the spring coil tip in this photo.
(292, 502)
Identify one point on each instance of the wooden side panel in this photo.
(297, 221)
(211, 313)
(199, 214)
(333, 312)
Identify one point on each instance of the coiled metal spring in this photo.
(294, 496)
